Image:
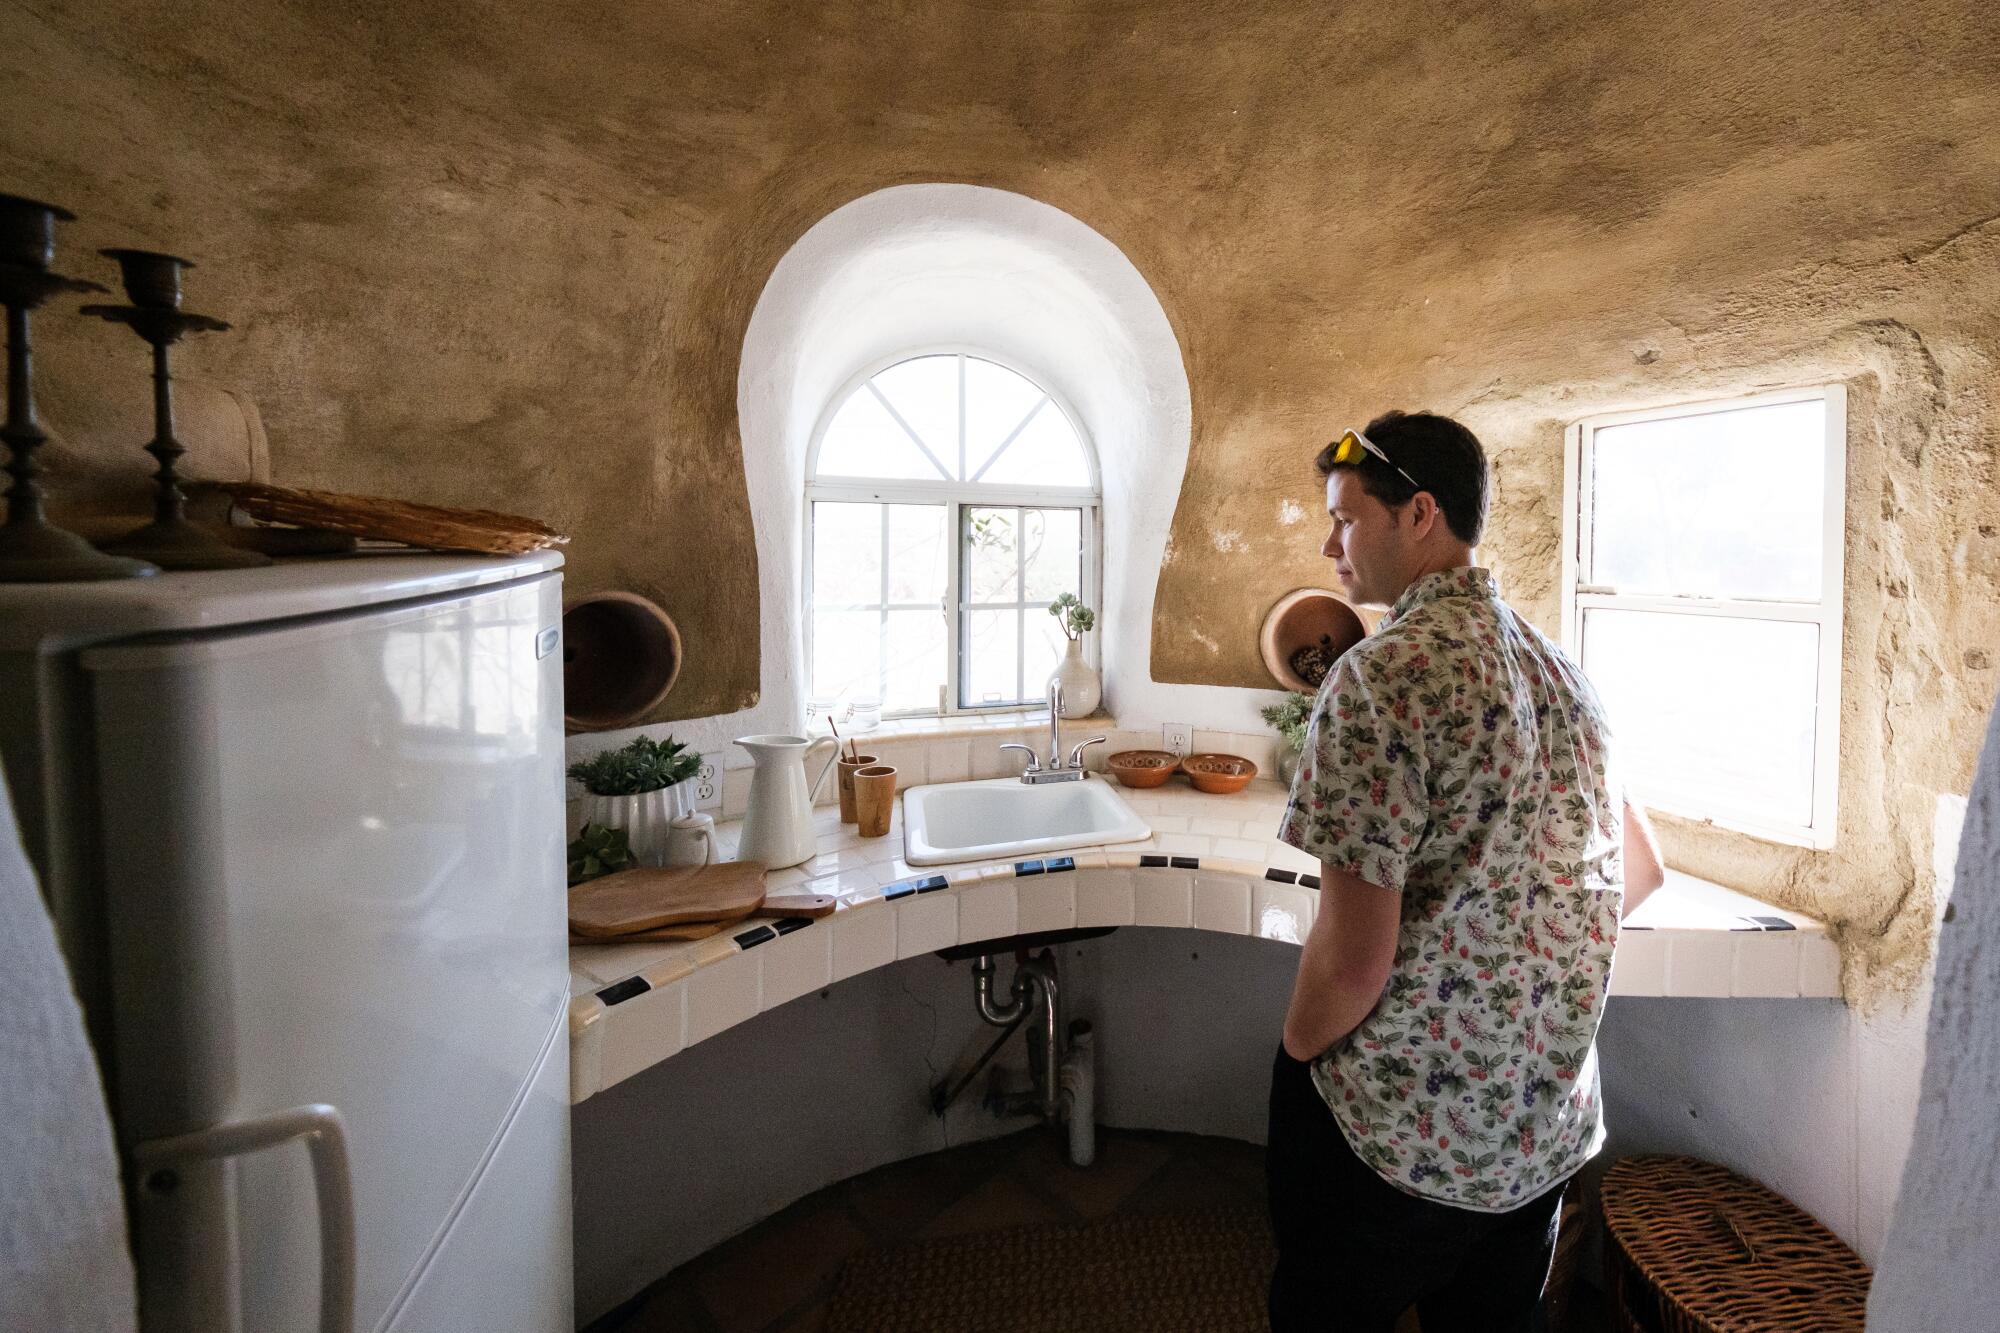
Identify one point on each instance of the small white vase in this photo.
(1081, 691)
(646, 818)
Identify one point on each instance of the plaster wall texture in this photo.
(1930, 1276)
(507, 255)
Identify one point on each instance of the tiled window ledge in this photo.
(1211, 864)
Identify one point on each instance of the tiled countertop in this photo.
(1213, 863)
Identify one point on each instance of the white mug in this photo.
(691, 841)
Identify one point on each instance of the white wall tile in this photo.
(735, 792)
(720, 996)
(1182, 844)
(987, 911)
(1222, 902)
(1162, 897)
(1047, 902)
(926, 922)
(1104, 897)
(907, 757)
(1765, 962)
(1819, 965)
(796, 964)
(948, 760)
(643, 1031)
(1281, 911)
(1241, 849)
(1699, 963)
(1639, 963)
(864, 938)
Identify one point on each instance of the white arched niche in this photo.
(917, 267)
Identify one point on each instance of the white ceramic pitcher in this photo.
(778, 830)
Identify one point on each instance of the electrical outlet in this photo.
(1178, 737)
(708, 785)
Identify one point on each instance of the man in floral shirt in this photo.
(1437, 1082)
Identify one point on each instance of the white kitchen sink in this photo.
(1004, 817)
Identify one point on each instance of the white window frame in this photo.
(1578, 597)
(955, 496)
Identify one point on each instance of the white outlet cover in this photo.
(1178, 737)
(708, 785)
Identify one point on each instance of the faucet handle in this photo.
(1076, 755)
(1034, 760)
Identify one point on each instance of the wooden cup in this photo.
(844, 782)
(874, 798)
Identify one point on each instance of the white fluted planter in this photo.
(647, 818)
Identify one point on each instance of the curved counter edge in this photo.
(620, 1026)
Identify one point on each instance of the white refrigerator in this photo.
(301, 831)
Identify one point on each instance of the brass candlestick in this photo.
(32, 549)
(153, 283)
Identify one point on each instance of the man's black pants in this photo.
(1354, 1251)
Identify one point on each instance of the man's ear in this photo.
(1424, 513)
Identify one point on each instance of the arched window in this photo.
(949, 500)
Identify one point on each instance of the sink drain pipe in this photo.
(1061, 1059)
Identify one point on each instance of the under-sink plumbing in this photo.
(1061, 1058)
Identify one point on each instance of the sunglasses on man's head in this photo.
(1348, 449)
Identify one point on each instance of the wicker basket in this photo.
(1694, 1248)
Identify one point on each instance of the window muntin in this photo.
(1702, 597)
(978, 450)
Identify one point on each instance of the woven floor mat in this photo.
(1158, 1273)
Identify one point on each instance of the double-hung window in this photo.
(949, 500)
(1702, 596)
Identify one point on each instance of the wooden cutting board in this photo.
(630, 902)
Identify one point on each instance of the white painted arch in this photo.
(915, 268)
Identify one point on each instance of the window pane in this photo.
(924, 393)
(1053, 552)
(1712, 711)
(1046, 453)
(847, 554)
(863, 440)
(847, 659)
(992, 645)
(1720, 504)
(915, 660)
(996, 402)
(991, 555)
(917, 555)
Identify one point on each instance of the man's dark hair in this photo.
(1441, 454)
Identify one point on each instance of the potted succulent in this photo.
(1289, 719)
(639, 788)
(1081, 690)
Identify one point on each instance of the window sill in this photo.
(969, 724)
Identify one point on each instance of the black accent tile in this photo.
(1308, 881)
(901, 889)
(1027, 868)
(1185, 862)
(1150, 860)
(933, 884)
(750, 939)
(1277, 876)
(1622, 927)
(1056, 865)
(1771, 922)
(621, 991)
(786, 925)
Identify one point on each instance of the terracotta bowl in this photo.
(1219, 774)
(1142, 768)
(1310, 627)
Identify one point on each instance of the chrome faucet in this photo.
(1055, 770)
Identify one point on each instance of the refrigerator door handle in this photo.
(321, 1127)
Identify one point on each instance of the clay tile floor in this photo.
(778, 1276)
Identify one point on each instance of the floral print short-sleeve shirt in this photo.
(1456, 756)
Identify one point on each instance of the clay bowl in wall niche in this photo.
(1310, 628)
(621, 655)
